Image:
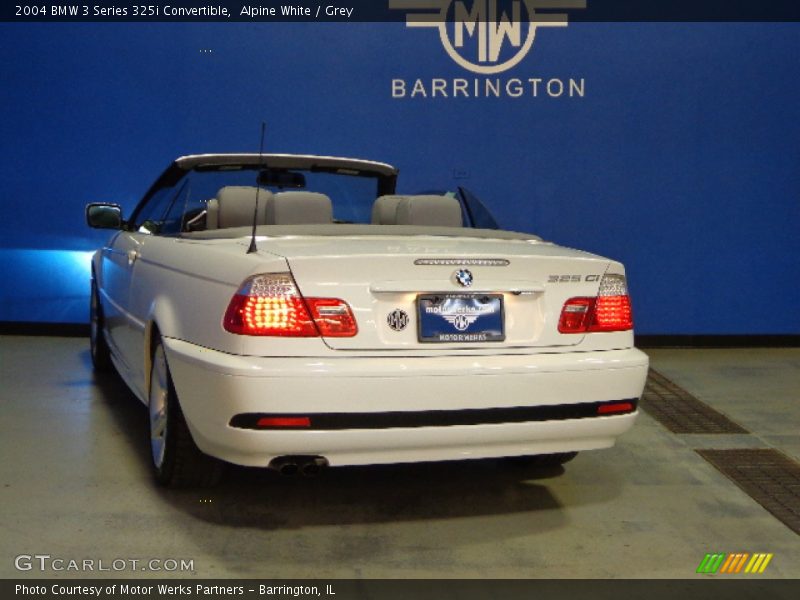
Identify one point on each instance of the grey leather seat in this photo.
(441, 211)
(234, 207)
(299, 208)
(384, 210)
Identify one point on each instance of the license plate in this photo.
(460, 318)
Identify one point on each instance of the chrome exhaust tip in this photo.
(285, 465)
(310, 466)
(314, 466)
(288, 469)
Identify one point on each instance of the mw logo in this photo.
(486, 36)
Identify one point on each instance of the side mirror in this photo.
(101, 215)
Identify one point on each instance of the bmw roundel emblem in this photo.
(463, 277)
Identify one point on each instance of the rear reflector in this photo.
(271, 305)
(267, 422)
(609, 311)
(615, 408)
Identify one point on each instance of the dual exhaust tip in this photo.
(309, 466)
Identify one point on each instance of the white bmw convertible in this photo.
(293, 312)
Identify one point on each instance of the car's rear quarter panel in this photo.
(181, 289)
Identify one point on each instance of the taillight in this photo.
(575, 315)
(612, 313)
(333, 317)
(271, 305)
(609, 311)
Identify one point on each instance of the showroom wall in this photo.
(671, 147)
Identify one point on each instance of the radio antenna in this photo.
(253, 247)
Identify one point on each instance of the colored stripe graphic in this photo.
(711, 563)
(742, 560)
(703, 564)
(728, 562)
(758, 563)
(766, 562)
(754, 563)
(733, 563)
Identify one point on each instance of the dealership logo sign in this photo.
(488, 36)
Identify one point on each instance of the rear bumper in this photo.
(215, 387)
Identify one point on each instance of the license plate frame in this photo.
(450, 318)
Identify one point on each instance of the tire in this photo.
(544, 460)
(100, 352)
(177, 461)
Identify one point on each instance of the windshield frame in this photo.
(385, 175)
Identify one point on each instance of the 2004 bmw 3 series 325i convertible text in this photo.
(351, 325)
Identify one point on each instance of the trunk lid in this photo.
(389, 280)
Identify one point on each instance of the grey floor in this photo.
(74, 484)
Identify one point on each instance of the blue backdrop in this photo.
(682, 159)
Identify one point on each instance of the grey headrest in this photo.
(384, 210)
(235, 206)
(299, 208)
(442, 211)
(212, 214)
